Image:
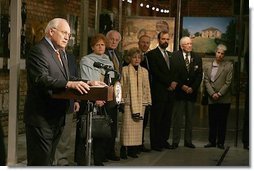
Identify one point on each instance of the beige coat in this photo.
(136, 95)
(222, 82)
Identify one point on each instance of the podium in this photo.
(95, 93)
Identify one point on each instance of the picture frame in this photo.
(208, 32)
(134, 27)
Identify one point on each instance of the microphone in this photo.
(101, 65)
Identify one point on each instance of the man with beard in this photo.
(162, 88)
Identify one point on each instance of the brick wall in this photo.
(39, 12)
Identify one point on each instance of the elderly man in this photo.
(47, 73)
(113, 37)
(187, 67)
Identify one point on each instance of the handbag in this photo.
(101, 124)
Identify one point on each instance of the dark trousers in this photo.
(110, 142)
(218, 114)
(2, 148)
(145, 122)
(160, 123)
(41, 145)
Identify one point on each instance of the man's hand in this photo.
(187, 89)
(81, 86)
(96, 83)
(173, 85)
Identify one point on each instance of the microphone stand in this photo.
(89, 139)
(89, 122)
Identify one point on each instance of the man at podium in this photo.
(48, 73)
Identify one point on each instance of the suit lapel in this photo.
(161, 57)
(62, 68)
(220, 70)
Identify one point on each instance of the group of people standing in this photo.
(158, 83)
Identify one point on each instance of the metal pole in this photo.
(120, 22)
(89, 138)
(97, 15)
(84, 28)
(15, 39)
(239, 73)
(178, 19)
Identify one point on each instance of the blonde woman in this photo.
(136, 95)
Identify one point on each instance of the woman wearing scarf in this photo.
(88, 71)
(136, 95)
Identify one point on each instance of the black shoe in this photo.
(105, 160)
(168, 146)
(209, 145)
(113, 158)
(156, 149)
(189, 145)
(98, 164)
(220, 146)
(123, 153)
(144, 149)
(174, 145)
(133, 155)
(246, 146)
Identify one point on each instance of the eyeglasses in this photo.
(65, 33)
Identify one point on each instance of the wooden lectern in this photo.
(95, 93)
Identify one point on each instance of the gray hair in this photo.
(183, 39)
(222, 47)
(54, 23)
(113, 31)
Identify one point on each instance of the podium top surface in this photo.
(95, 93)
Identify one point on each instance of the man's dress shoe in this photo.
(189, 145)
(174, 145)
(220, 146)
(209, 145)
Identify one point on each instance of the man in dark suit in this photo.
(113, 37)
(63, 149)
(48, 73)
(187, 67)
(144, 44)
(162, 87)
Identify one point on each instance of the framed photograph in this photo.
(208, 32)
(134, 27)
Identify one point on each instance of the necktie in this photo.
(166, 57)
(115, 61)
(187, 63)
(59, 57)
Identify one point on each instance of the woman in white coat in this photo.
(136, 96)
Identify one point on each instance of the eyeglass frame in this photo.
(65, 33)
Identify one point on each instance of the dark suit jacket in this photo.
(119, 57)
(73, 69)
(192, 78)
(45, 75)
(161, 75)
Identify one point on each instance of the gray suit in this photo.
(218, 109)
(222, 82)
